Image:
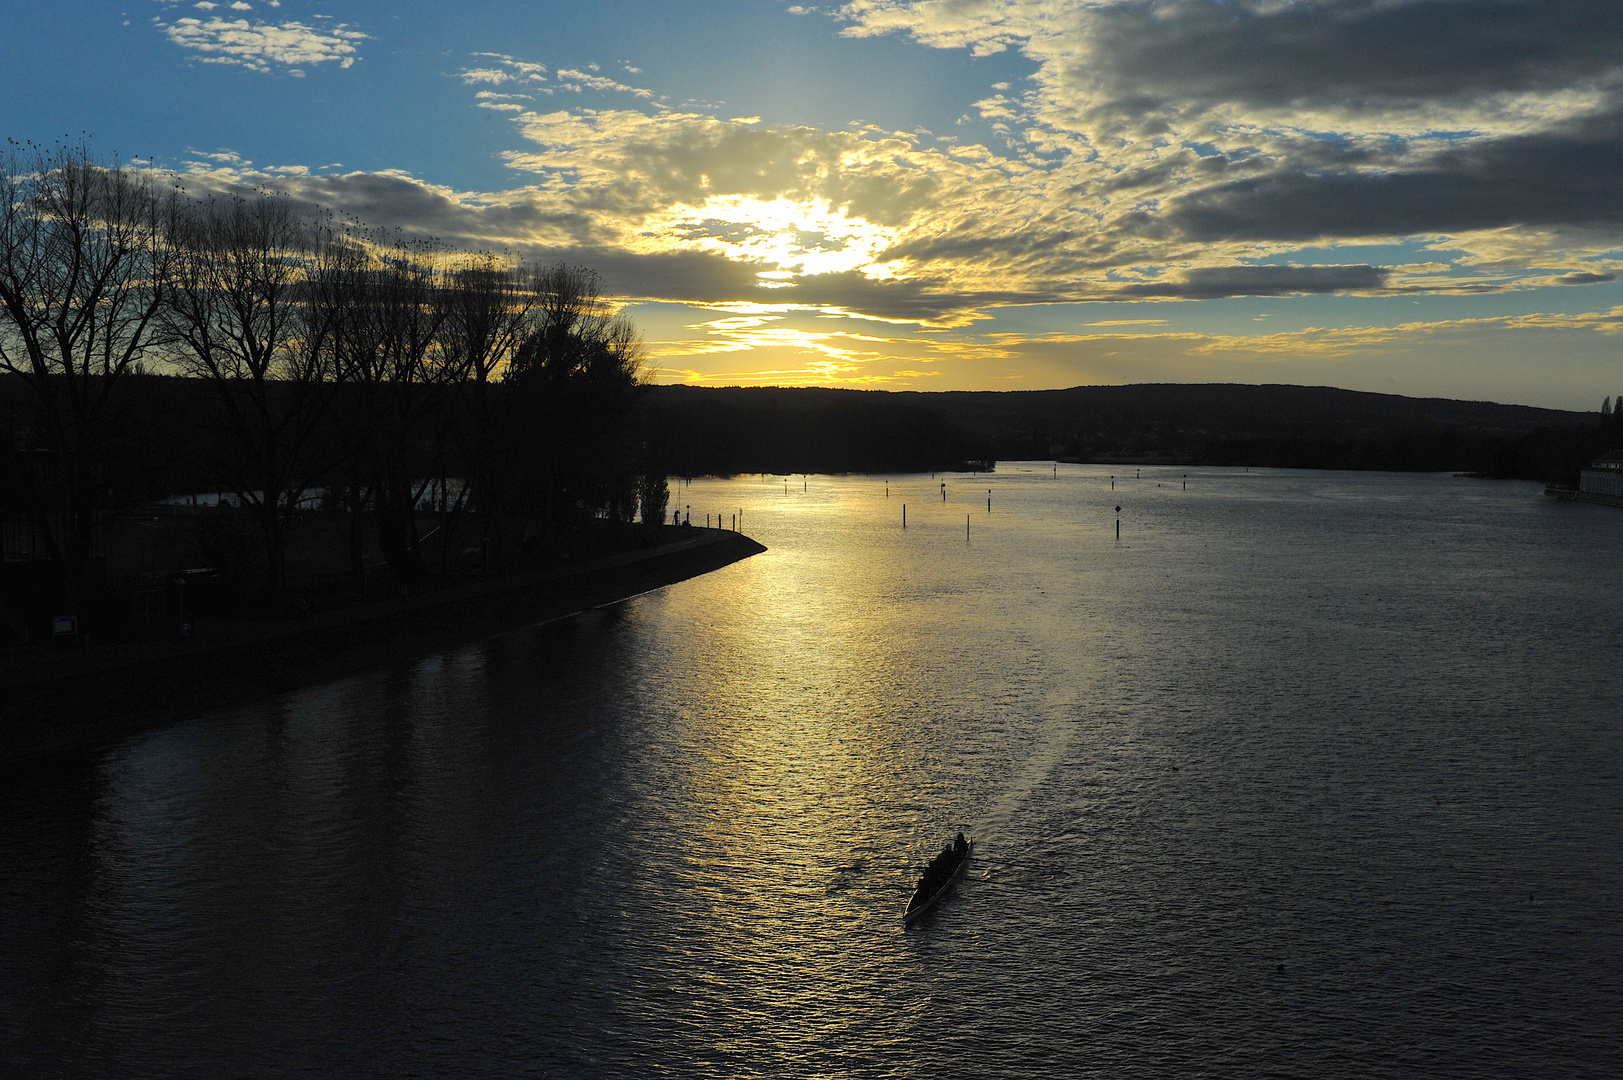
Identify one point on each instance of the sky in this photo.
(1421, 197)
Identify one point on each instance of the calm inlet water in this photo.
(1308, 774)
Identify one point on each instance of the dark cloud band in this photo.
(1352, 55)
(1213, 282)
(1554, 178)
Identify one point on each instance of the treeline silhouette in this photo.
(1309, 427)
(309, 361)
(318, 359)
(732, 430)
(723, 431)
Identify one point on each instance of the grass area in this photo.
(217, 551)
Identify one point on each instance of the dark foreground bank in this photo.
(58, 708)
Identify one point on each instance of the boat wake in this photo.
(1051, 742)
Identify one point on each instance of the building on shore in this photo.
(1604, 476)
(1601, 483)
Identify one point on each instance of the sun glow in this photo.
(754, 344)
(747, 333)
(795, 237)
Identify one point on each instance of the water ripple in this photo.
(1309, 775)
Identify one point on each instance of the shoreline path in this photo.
(56, 701)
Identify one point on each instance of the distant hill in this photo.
(686, 430)
(722, 430)
(1085, 414)
(726, 430)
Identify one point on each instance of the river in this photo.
(1306, 774)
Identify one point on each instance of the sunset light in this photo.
(1025, 539)
(1239, 175)
(793, 238)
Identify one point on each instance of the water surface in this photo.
(1308, 774)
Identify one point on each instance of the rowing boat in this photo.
(918, 907)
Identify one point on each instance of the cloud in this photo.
(1174, 138)
(544, 224)
(507, 69)
(1345, 341)
(598, 82)
(489, 99)
(1570, 175)
(747, 333)
(889, 225)
(1175, 149)
(1484, 358)
(852, 328)
(257, 46)
(1210, 282)
(1159, 63)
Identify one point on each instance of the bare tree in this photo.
(85, 249)
(246, 313)
(574, 378)
(490, 307)
(392, 311)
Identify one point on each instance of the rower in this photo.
(960, 845)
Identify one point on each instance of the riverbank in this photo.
(50, 702)
(1571, 494)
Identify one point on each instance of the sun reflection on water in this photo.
(676, 836)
